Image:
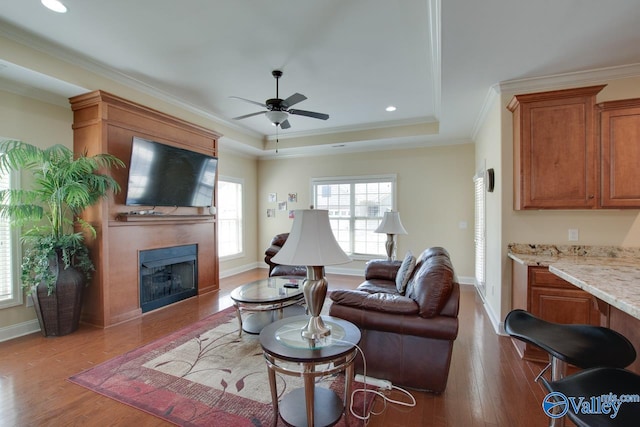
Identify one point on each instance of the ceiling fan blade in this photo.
(285, 125)
(249, 115)
(294, 99)
(313, 114)
(250, 101)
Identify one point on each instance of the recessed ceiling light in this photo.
(54, 5)
(390, 108)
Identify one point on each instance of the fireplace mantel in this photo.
(105, 123)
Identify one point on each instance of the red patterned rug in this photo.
(202, 375)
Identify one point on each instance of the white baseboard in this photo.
(498, 326)
(241, 269)
(19, 329)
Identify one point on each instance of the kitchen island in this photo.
(610, 276)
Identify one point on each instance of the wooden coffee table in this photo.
(269, 300)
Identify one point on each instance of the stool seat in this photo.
(584, 346)
(597, 382)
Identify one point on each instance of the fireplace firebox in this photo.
(167, 275)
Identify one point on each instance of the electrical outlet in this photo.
(573, 235)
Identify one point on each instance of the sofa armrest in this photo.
(382, 269)
(381, 302)
(438, 327)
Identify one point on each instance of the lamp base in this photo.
(389, 245)
(314, 289)
(315, 329)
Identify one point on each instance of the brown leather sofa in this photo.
(406, 338)
(277, 269)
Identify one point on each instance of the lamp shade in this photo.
(391, 224)
(311, 241)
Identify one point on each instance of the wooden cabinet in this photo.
(104, 123)
(555, 149)
(620, 153)
(628, 326)
(551, 298)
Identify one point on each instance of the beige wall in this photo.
(237, 165)
(596, 227)
(435, 194)
(40, 124)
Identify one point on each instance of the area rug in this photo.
(202, 375)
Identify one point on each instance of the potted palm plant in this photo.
(56, 264)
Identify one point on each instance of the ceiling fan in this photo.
(277, 110)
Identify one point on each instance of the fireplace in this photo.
(167, 275)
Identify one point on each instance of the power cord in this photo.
(365, 417)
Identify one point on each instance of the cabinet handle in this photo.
(591, 196)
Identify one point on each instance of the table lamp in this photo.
(391, 225)
(311, 243)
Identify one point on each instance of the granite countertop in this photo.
(608, 273)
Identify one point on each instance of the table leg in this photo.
(239, 319)
(309, 391)
(348, 384)
(274, 393)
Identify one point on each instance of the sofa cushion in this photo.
(405, 271)
(381, 301)
(373, 286)
(382, 269)
(431, 284)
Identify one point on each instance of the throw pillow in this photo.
(404, 273)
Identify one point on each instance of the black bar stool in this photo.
(600, 383)
(584, 346)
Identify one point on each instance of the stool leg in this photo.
(558, 371)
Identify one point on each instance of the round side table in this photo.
(286, 352)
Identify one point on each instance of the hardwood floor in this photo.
(488, 383)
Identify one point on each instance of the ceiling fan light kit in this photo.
(277, 117)
(277, 110)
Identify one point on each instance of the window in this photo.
(230, 217)
(356, 206)
(479, 236)
(10, 293)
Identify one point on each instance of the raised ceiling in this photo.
(434, 60)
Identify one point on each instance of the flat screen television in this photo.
(162, 175)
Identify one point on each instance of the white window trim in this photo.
(16, 254)
(393, 178)
(480, 231)
(240, 181)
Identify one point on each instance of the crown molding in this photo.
(490, 99)
(436, 56)
(59, 52)
(576, 78)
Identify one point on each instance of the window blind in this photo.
(479, 236)
(9, 294)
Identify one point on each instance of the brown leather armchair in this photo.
(277, 269)
(407, 338)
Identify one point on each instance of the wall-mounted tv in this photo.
(162, 175)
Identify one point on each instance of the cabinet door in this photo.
(620, 153)
(564, 306)
(555, 300)
(555, 149)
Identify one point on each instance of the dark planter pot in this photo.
(59, 313)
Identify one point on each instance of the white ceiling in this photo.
(435, 60)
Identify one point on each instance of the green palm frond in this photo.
(63, 187)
